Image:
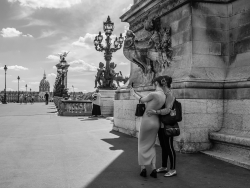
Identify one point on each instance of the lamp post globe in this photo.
(18, 78)
(4, 100)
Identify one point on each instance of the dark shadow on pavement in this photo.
(52, 112)
(194, 170)
(90, 119)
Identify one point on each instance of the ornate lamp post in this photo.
(18, 78)
(4, 102)
(26, 88)
(108, 28)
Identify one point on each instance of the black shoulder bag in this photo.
(140, 109)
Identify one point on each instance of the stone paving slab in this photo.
(39, 149)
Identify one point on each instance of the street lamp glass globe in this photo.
(108, 26)
(59, 70)
(121, 39)
(100, 37)
(116, 42)
(5, 68)
(96, 42)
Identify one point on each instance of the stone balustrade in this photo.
(74, 108)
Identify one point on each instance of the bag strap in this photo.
(140, 100)
(171, 104)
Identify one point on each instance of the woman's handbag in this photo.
(140, 109)
(172, 130)
(174, 116)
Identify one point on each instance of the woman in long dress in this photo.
(166, 143)
(150, 126)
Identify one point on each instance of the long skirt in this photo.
(146, 142)
(96, 111)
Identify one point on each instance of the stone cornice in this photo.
(138, 8)
(138, 12)
(194, 85)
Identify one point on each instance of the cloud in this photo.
(35, 22)
(9, 89)
(20, 81)
(85, 41)
(16, 67)
(127, 8)
(28, 35)
(12, 32)
(22, 89)
(53, 57)
(88, 40)
(48, 33)
(81, 66)
(52, 4)
(34, 83)
(52, 75)
(124, 63)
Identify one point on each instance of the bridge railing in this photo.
(75, 108)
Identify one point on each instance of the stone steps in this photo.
(233, 148)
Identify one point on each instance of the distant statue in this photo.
(100, 74)
(63, 55)
(112, 67)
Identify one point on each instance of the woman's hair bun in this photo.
(163, 80)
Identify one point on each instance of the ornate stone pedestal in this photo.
(107, 106)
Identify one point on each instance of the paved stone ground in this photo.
(39, 149)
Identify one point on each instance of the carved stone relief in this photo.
(150, 49)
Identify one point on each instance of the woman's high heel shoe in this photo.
(143, 173)
(154, 174)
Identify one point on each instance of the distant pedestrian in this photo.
(32, 99)
(46, 96)
(96, 100)
(25, 99)
(21, 98)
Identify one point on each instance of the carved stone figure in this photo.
(112, 67)
(151, 49)
(100, 74)
(63, 55)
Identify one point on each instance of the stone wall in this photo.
(237, 91)
(239, 33)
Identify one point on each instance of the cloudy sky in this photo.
(33, 32)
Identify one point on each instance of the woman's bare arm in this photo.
(143, 99)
